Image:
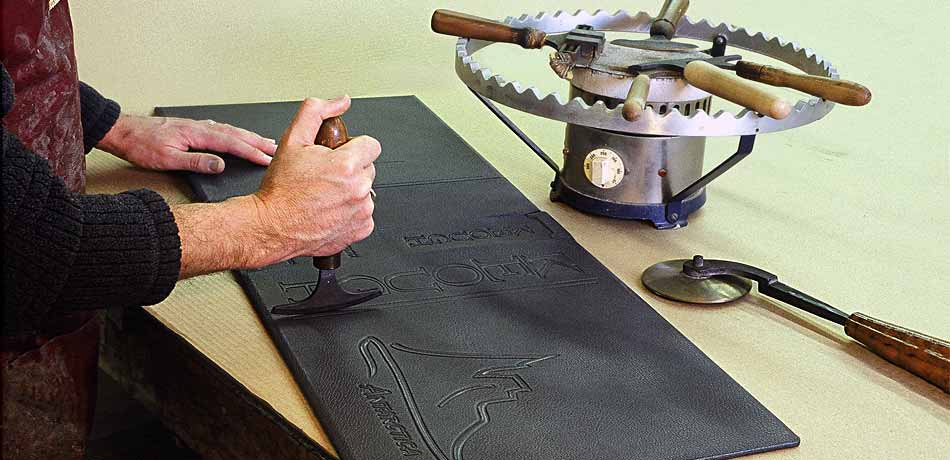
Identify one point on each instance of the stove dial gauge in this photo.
(604, 168)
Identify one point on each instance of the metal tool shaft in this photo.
(768, 283)
(922, 355)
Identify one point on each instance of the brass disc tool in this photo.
(639, 111)
(328, 295)
(703, 281)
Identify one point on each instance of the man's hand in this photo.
(313, 201)
(316, 201)
(163, 143)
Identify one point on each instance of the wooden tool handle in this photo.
(670, 15)
(731, 87)
(332, 134)
(637, 98)
(468, 26)
(924, 356)
(840, 91)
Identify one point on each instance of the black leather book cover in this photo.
(497, 336)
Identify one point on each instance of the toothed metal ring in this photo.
(673, 123)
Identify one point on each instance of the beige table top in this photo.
(852, 209)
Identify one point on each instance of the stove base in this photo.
(655, 213)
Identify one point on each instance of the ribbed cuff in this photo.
(98, 115)
(130, 252)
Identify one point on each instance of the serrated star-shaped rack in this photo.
(673, 123)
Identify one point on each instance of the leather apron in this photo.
(49, 379)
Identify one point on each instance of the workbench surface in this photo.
(851, 209)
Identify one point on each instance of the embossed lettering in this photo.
(398, 432)
(296, 292)
(543, 264)
(363, 283)
(460, 236)
(498, 272)
(458, 275)
(481, 233)
(417, 240)
(418, 280)
(438, 238)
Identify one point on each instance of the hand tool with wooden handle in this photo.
(730, 87)
(637, 98)
(328, 296)
(663, 30)
(467, 26)
(839, 91)
(664, 25)
(702, 280)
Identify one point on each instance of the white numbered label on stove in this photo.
(603, 168)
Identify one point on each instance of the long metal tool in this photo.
(704, 281)
(328, 295)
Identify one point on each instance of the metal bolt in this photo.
(661, 172)
(674, 216)
(698, 261)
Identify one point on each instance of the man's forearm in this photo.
(225, 236)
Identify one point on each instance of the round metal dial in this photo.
(604, 168)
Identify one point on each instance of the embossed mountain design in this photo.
(476, 387)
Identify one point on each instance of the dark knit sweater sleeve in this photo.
(63, 251)
(98, 115)
(129, 253)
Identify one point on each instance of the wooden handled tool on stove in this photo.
(840, 91)
(664, 25)
(467, 26)
(714, 75)
(731, 87)
(637, 98)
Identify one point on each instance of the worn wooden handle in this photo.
(467, 26)
(670, 15)
(924, 356)
(637, 98)
(332, 133)
(731, 87)
(840, 91)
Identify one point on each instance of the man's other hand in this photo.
(163, 143)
